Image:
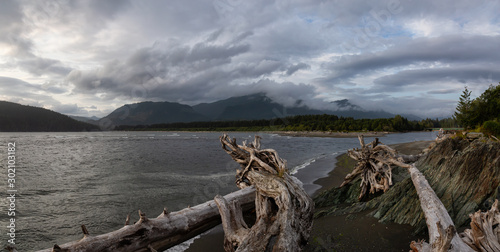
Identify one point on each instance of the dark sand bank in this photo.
(359, 231)
(353, 232)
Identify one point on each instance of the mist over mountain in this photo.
(92, 120)
(147, 113)
(248, 107)
(20, 118)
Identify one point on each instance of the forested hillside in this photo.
(20, 118)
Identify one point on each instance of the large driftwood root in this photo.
(165, 231)
(284, 211)
(374, 162)
(484, 234)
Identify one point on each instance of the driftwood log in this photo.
(483, 236)
(442, 232)
(284, 211)
(374, 165)
(374, 161)
(163, 232)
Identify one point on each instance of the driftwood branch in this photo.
(163, 232)
(284, 211)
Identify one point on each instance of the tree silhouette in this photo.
(463, 113)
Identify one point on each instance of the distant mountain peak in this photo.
(344, 104)
(247, 107)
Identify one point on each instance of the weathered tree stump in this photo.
(374, 162)
(484, 234)
(284, 211)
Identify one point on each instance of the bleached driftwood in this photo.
(374, 162)
(284, 211)
(484, 234)
(157, 234)
(442, 233)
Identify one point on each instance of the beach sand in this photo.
(360, 232)
(353, 232)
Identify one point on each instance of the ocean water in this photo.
(64, 180)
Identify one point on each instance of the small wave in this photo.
(308, 162)
(302, 166)
(183, 246)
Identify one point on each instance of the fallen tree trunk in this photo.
(163, 232)
(442, 233)
(374, 162)
(284, 211)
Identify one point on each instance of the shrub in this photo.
(491, 128)
(460, 134)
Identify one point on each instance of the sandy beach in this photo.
(354, 232)
(360, 232)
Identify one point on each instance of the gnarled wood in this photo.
(165, 231)
(374, 162)
(484, 234)
(284, 211)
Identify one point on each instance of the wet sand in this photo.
(354, 232)
(360, 232)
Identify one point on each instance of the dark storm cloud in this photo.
(40, 66)
(424, 77)
(169, 71)
(454, 50)
(294, 68)
(442, 91)
(113, 52)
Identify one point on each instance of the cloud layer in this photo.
(90, 57)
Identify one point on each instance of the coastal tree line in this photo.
(304, 123)
(482, 113)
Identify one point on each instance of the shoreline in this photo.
(337, 134)
(331, 134)
(344, 232)
(341, 233)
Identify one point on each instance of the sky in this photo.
(89, 57)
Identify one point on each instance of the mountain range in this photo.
(249, 107)
(16, 117)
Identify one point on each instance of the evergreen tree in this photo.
(464, 109)
(487, 106)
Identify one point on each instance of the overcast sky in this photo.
(89, 57)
